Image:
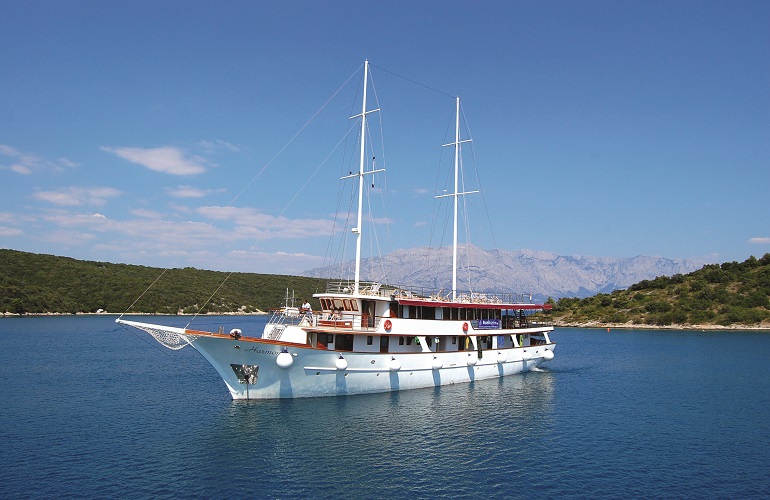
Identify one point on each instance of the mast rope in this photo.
(285, 208)
(258, 174)
(383, 192)
(481, 190)
(413, 81)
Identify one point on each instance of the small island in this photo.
(733, 295)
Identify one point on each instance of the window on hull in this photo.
(343, 342)
(448, 313)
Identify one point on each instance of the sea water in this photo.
(90, 409)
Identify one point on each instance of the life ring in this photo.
(465, 326)
(388, 325)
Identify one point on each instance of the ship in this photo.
(371, 336)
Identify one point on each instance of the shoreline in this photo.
(630, 326)
(587, 324)
(14, 315)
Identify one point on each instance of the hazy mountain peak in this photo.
(541, 273)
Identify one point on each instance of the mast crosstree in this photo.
(360, 175)
(456, 194)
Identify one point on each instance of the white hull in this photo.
(316, 372)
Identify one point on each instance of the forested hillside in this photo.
(33, 283)
(728, 294)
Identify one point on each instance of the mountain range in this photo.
(542, 274)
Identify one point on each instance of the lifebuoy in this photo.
(388, 325)
(465, 327)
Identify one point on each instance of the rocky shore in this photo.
(588, 324)
(635, 326)
(103, 313)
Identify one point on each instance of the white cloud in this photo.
(67, 238)
(20, 169)
(255, 225)
(147, 214)
(760, 241)
(26, 163)
(190, 192)
(76, 196)
(10, 231)
(158, 239)
(181, 208)
(218, 145)
(272, 262)
(142, 235)
(8, 150)
(166, 159)
(66, 163)
(16, 218)
(185, 192)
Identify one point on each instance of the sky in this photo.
(214, 134)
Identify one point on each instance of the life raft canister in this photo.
(388, 325)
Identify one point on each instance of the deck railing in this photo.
(418, 292)
(319, 319)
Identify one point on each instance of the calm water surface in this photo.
(88, 409)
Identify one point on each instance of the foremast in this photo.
(360, 175)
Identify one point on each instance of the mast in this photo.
(360, 175)
(456, 193)
(361, 179)
(457, 162)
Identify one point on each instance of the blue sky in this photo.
(134, 131)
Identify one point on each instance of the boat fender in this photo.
(341, 363)
(500, 357)
(465, 326)
(471, 360)
(526, 356)
(437, 363)
(394, 365)
(284, 360)
(547, 355)
(388, 325)
(235, 333)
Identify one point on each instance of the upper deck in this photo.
(421, 296)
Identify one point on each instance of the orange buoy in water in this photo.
(608, 329)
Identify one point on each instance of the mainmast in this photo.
(360, 175)
(456, 194)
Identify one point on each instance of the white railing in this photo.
(416, 292)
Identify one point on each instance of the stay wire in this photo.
(258, 174)
(478, 180)
(285, 208)
(296, 134)
(413, 81)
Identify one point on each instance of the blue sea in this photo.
(89, 409)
